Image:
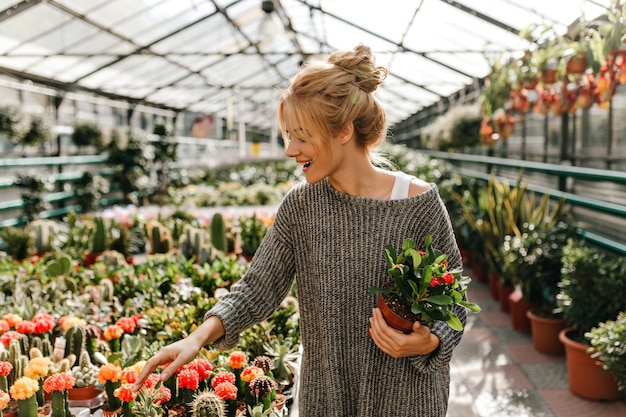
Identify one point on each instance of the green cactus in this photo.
(218, 233)
(44, 233)
(46, 348)
(59, 404)
(195, 244)
(60, 265)
(75, 339)
(208, 404)
(24, 343)
(64, 365)
(35, 352)
(106, 290)
(99, 239)
(15, 359)
(160, 237)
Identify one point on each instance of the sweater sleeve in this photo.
(261, 290)
(445, 240)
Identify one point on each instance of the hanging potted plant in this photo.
(87, 134)
(421, 288)
(593, 290)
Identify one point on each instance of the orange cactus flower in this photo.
(113, 332)
(109, 372)
(12, 319)
(237, 359)
(251, 372)
(125, 393)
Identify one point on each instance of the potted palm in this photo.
(421, 288)
(593, 290)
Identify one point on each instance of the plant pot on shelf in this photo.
(545, 328)
(585, 374)
(83, 393)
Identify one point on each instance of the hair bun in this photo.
(361, 63)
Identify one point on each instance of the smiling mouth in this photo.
(307, 164)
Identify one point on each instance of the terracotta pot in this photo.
(392, 319)
(85, 393)
(503, 295)
(518, 308)
(111, 413)
(577, 65)
(545, 332)
(548, 76)
(494, 285)
(585, 374)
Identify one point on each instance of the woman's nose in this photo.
(291, 150)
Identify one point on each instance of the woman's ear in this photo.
(346, 133)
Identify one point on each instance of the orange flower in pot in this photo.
(421, 288)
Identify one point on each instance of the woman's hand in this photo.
(181, 352)
(397, 344)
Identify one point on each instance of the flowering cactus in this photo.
(5, 370)
(24, 390)
(126, 395)
(37, 369)
(112, 334)
(109, 375)
(263, 390)
(4, 401)
(264, 362)
(58, 386)
(188, 382)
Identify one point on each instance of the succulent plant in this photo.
(85, 373)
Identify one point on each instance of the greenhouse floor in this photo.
(496, 372)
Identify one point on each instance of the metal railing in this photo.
(562, 173)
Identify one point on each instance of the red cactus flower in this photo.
(226, 391)
(59, 382)
(188, 378)
(222, 376)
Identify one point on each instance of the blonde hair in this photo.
(329, 95)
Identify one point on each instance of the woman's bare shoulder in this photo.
(418, 187)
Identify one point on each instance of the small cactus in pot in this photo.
(208, 404)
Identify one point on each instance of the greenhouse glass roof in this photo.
(205, 55)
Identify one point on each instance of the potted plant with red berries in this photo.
(421, 288)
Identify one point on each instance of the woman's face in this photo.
(317, 157)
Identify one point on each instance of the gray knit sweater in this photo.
(333, 245)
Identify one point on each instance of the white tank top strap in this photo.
(401, 186)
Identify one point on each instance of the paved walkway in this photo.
(496, 372)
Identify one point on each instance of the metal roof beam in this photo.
(18, 8)
(482, 16)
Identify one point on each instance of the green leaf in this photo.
(474, 308)
(454, 322)
(442, 300)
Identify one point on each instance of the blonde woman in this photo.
(329, 235)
